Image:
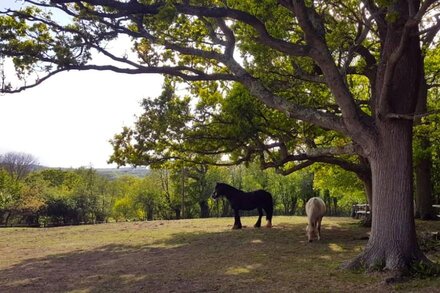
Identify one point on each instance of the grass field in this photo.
(200, 255)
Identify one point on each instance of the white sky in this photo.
(68, 120)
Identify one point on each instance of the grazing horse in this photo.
(315, 210)
(239, 200)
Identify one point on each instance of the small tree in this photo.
(341, 185)
(286, 191)
(18, 165)
(124, 209)
(10, 191)
(147, 196)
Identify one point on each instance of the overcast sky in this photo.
(68, 120)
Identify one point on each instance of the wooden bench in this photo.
(360, 211)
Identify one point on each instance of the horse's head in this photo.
(216, 193)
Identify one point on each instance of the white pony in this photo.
(315, 210)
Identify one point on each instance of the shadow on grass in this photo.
(274, 260)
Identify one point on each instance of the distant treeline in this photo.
(47, 197)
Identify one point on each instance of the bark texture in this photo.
(392, 244)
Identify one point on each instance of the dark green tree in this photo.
(18, 165)
(10, 195)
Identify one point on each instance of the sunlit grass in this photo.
(336, 248)
(190, 255)
(242, 269)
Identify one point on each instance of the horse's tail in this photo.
(269, 208)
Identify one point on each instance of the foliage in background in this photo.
(342, 185)
(75, 196)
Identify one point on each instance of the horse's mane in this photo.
(229, 187)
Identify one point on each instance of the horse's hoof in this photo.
(255, 226)
(236, 227)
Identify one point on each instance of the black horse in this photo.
(240, 200)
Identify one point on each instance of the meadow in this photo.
(197, 255)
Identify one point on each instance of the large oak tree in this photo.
(277, 50)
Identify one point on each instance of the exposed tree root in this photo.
(395, 278)
(395, 268)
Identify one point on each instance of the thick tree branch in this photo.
(319, 118)
(359, 169)
(230, 38)
(429, 34)
(37, 82)
(378, 15)
(314, 154)
(178, 71)
(185, 159)
(411, 116)
(422, 11)
(319, 155)
(363, 31)
(333, 151)
(322, 119)
(295, 168)
(300, 74)
(135, 8)
(321, 54)
(410, 26)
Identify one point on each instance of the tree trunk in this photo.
(328, 202)
(286, 206)
(177, 211)
(423, 165)
(293, 205)
(424, 198)
(2, 217)
(204, 209)
(150, 212)
(8, 215)
(335, 205)
(392, 244)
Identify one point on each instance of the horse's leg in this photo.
(260, 215)
(269, 212)
(319, 228)
(237, 223)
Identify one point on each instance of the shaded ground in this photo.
(201, 255)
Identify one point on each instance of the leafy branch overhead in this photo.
(236, 126)
(189, 41)
(231, 41)
(316, 71)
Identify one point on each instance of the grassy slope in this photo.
(201, 255)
